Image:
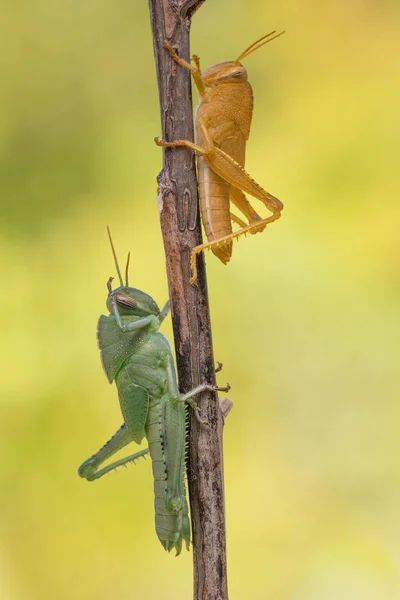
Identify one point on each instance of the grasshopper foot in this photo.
(87, 469)
(222, 389)
(196, 409)
(170, 49)
(165, 144)
(219, 367)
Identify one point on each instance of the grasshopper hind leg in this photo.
(89, 469)
(254, 227)
(240, 201)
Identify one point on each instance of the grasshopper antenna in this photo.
(115, 257)
(256, 45)
(127, 268)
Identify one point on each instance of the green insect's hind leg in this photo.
(88, 469)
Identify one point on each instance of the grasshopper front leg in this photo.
(195, 70)
(151, 320)
(164, 312)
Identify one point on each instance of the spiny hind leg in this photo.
(237, 220)
(254, 227)
(232, 172)
(88, 469)
(241, 202)
(132, 458)
(258, 226)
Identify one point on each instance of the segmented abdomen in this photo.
(172, 526)
(214, 207)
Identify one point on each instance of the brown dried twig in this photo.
(180, 225)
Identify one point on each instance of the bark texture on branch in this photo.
(180, 225)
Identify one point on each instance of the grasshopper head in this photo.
(131, 301)
(226, 72)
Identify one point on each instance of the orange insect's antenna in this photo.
(256, 45)
(115, 257)
(126, 268)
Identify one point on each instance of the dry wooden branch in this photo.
(180, 225)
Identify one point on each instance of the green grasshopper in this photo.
(139, 359)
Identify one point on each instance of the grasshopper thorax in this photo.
(131, 301)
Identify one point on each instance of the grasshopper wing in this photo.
(115, 345)
(134, 400)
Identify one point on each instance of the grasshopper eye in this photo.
(125, 301)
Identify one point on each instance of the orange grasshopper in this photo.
(223, 120)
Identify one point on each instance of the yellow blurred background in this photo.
(305, 317)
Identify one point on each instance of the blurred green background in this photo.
(305, 317)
